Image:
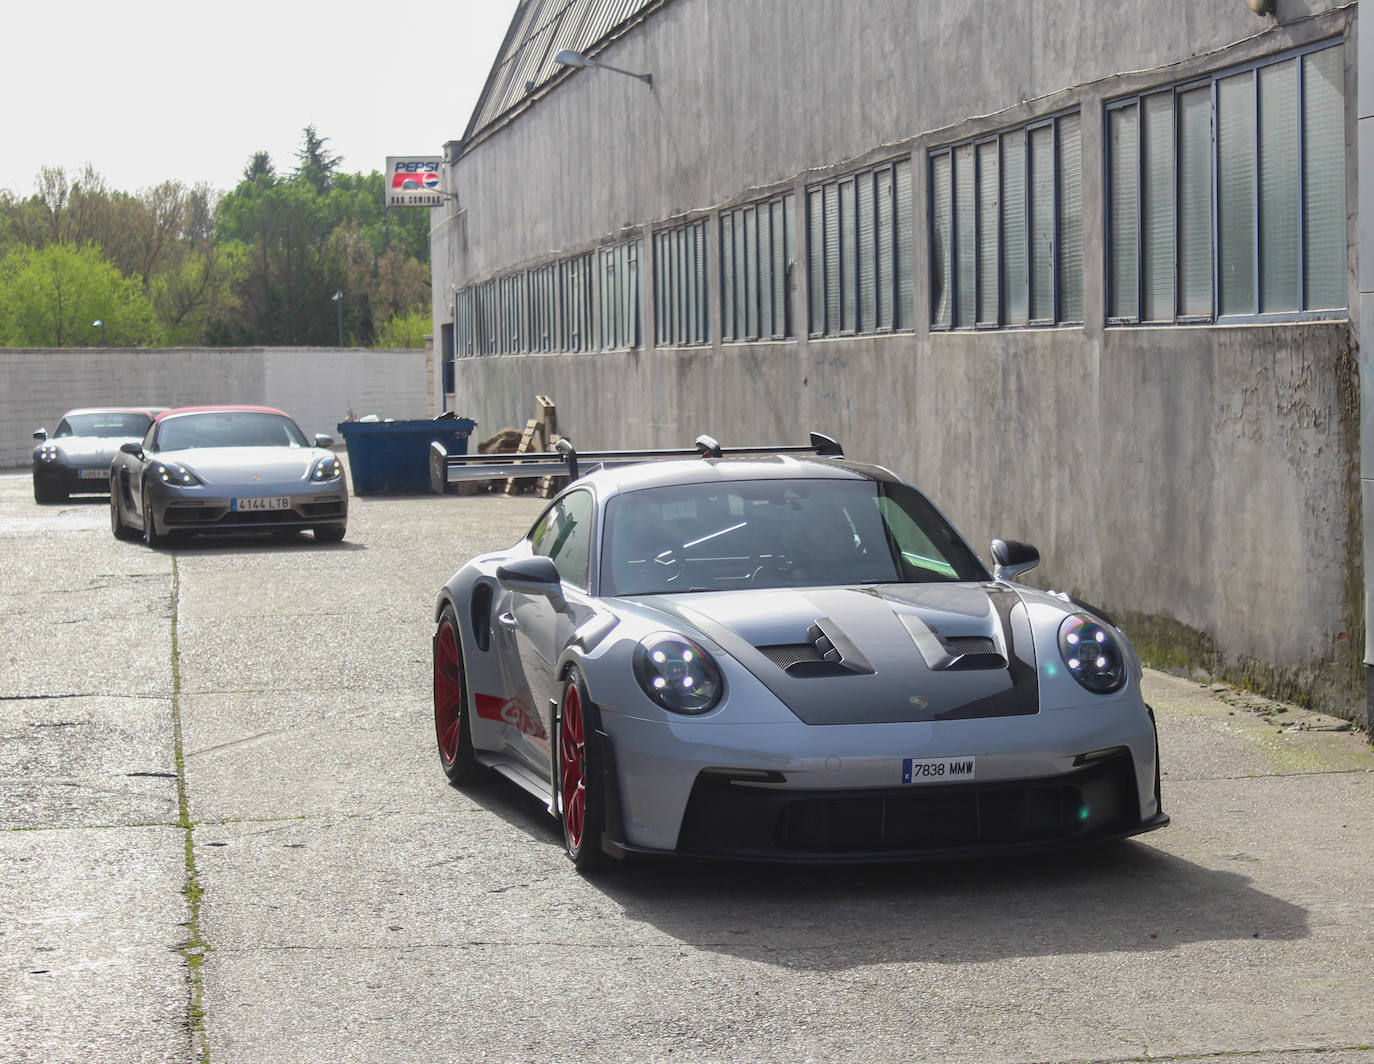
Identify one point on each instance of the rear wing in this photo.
(565, 460)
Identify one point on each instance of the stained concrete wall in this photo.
(1201, 481)
(317, 386)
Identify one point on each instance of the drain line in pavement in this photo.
(194, 948)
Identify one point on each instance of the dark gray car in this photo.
(76, 459)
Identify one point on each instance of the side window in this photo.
(564, 535)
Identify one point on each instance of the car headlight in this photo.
(48, 453)
(1093, 655)
(677, 674)
(326, 469)
(171, 473)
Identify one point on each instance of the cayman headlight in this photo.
(171, 473)
(677, 674)
(326, 469)
(1093, 655)
(48, 453)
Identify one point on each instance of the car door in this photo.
(541, 628)
(129, 475)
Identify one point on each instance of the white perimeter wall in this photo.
(316, 386)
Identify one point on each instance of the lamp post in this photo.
(100, 323)
(337, 299)
(567, 57)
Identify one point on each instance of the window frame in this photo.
(832, 253)
(974, 149)
(1211, 81)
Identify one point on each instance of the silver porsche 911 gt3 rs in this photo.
(763, 654)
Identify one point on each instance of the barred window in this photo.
(682, 299)
(758, 246)
(1226, 197)
(621, 297)
(859, 234)
(1006, 228)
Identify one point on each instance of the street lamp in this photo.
(100, 323)
(337, 299)
(567, 57)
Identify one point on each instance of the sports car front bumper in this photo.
(836, 793)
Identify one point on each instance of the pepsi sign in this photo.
(413, 181)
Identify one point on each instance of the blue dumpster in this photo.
(392, 457)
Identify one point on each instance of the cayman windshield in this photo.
(104, 425)
(228, 428)
(778, 533)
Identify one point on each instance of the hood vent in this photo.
(953, 652)
(829, 653)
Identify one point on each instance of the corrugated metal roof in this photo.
(540, 30)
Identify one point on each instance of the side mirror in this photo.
(41, 434)
(321, 440)
(1012, 558)
(532, 576)
(134, 449)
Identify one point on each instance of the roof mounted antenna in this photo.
(708, 447)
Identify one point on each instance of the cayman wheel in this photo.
(451, 720)
(117, 525)
(151, 535)
(581, 803)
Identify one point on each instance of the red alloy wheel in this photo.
(572, 764)
(448, 693)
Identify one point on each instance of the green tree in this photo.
(50, 296)
(260, 168)
(406, 330)
(315, 164)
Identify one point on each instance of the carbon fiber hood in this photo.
(877, 655)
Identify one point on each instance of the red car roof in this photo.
(227, 407)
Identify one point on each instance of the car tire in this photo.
(151, 536)
(452, 718)
(117, 525)
(46, 493)
(581, 803)
(329, 533)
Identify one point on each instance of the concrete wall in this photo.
(1200, 481)
(317, 386)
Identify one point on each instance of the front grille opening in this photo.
(1097, 800)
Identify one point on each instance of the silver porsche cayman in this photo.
(781, 654)
(227, 469)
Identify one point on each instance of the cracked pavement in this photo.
(224, 837)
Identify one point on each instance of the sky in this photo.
(151, 90)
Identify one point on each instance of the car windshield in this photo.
(777, 533)
(104, 424)
(228, 428)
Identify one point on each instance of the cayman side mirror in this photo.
(41, 434)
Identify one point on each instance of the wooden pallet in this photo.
(532, 439)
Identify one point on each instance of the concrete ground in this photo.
(224, 837)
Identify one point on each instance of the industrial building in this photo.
(1088, 273)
